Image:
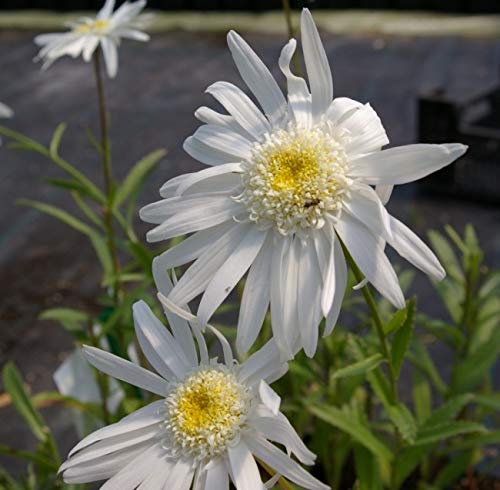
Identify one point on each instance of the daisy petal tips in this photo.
(289, 183)
(104, 31)
(212, 424)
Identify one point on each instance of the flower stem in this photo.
(379, 327)
(108, 183)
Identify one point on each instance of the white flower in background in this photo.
(5, 111)
(283, 184)
(86, 34)
(212, 421)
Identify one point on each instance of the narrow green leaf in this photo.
(440, 432)
(402, 337)
(396, 321)
(477, 440)
(87, 211)
(404, 421)
(59, 214)
(360, 367)
(448, 410)
(67, 184)
(446, 255)
(7, 482)
(102, 252)
(73, 321)
(14, 386)
(367, 471)
(455, 468)
(449, 334)
(56, 140)
(345, 422)
(136, 176)
(422, 397)
(28, 456)
(421, 359)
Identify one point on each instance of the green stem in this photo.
(379, 326)
(108, 184)
(281, 482)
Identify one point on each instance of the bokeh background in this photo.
(431, 69)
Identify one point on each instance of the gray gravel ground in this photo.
(152, 103)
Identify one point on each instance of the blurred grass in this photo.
(335, 22)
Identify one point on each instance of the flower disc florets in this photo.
(205, 412)
(295, 178)
(93, 26)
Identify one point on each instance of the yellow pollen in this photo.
(95, 26)
(205, 411)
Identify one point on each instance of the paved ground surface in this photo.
(152, 101)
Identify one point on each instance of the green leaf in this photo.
(7, 482)
(102, 252)
(59, 214)
(421, 359)
(367, 470)
(490, 401)
(67, 184)
(477, 440)
(396, 321)
(422, 397)
(351, 425)
(87, 211)
(449, 334)
(73, 321)
(440, 432)
(448, 410)
(404, 421)
(446, 255)
(402, 337)
(454, 469)
(28, 456)
(360, 367)
(136, 176)
(14, 386)
(56, 140)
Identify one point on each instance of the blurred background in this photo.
(431, 69)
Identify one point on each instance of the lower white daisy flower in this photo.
(213, 423)
(284, 185)
(87, 34)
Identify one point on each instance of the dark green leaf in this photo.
(446, 255)
(440, 432)
(360, 367)
(28, 456)
(396, 321)
(404, 421)
(422, 397)
(402, 337)
(72, 320)
(56, 140)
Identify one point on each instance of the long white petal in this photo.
(258, 78)
(107, 10)
(282, 463)
(299, 97)
(205, 153)
(195, 219)
(325, 250)
(210, 174)
(198, 276)
(244, 470)
(5, 111)
(145, 417)
(255, 300)
(161, 340)
(413, 249)
(404, 164)
(180, 477)
(368, 253)
(209, 116)
(318, 68)
(384, 192)
(230, 273)
(217, 477)
(110, 52)
(341, 108)
(309, 297)
(125, 370)
(239, 105)
(261, 364)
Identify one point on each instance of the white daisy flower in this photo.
(213, 422)
(86, 34)
(283, 184)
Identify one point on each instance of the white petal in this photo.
(134, 34)
(404, 164)
(239, 105)
(90, 47)
(341, 108)
(226, 347)
(255, 300)
(169, 188)
(180, 328)
(365, 205)
(209, 116)
(325, 250)
(180, 477)
(282, 463)
(368, 253)
(366, 131)
(110, 52)
(206, 153)
(269, 397)
(107, 10)
(230, 273)
(384, 192)
(217, 477)
(299, 97)
(309, 298)
(145, 417)
(261, 364)
(125, 370)
(220, 140)
(161, 341)
(209, 174)
(195, 219)
(340, 287)
(244, 471)
(413, 249)
(5, 111)
(198, 276)
(318, 68)
(257, 78)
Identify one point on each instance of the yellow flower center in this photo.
(294, 179)
(206, 411)
(95, 27)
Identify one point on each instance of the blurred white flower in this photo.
(212, 421)
(86, 34)
(284, 183)
(5, 111)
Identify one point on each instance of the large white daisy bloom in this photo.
(283, 184)
(213, 419)
(86, 34)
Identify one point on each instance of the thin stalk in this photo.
(281, 482)
(291, 33)
(108, 183)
